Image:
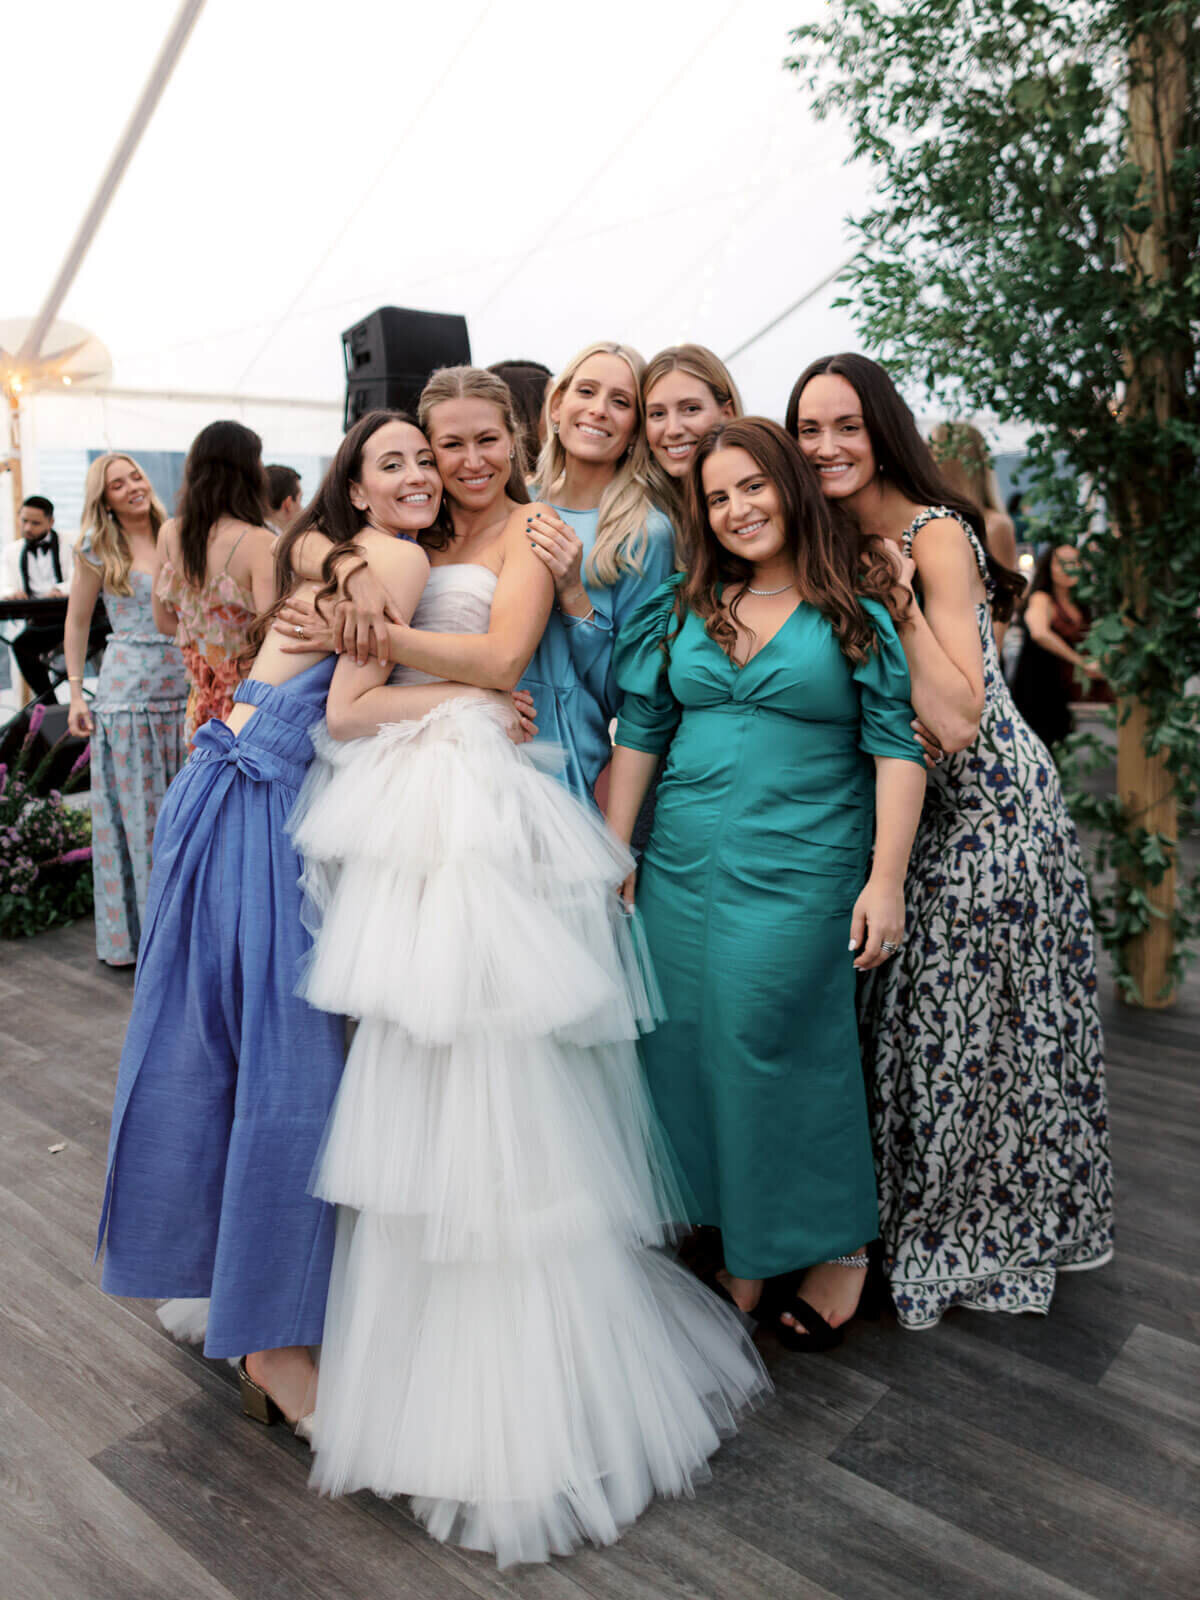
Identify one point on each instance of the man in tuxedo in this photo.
(38, 566)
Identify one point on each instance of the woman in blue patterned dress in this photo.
(982, 1039)
(136, 718)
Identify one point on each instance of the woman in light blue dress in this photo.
(136, 719)
(227, 1078)
(605, 544)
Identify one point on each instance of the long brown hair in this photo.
(835, 564)
(905, 458)
(330, 512)
(223, 476)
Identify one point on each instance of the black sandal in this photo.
(817, 1336)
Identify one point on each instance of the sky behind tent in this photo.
(556, 173)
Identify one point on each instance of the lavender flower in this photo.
(36, 717)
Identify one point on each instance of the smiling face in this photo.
(126, 492)
(398, 488)
(834, 437)
(745, 511)
(473, 448)
(680, 409)
(597, 413)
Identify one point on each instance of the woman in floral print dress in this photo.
(136, 718)
(216, 566)
(982, 1039)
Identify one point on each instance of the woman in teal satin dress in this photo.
(773, 671)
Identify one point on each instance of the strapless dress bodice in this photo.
(457, 599)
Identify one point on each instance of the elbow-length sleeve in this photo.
(650, 713)
(592, 644)
(885, 690)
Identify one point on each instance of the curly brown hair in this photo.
(835, 564)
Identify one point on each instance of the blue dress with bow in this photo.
(226, 1078)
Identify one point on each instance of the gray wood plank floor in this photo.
(991, 1457)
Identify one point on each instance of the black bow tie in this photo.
(46, 543)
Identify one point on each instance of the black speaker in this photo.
(390, 355)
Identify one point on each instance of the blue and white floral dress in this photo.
(982, 1040)
(138, 746)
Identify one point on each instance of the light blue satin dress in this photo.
(571, 675)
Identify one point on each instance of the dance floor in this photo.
(993, 1456)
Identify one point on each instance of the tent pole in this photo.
(160, 74)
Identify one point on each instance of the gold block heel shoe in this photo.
(256, 1402)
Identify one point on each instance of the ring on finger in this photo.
(890, 947)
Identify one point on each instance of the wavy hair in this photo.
(621, 534)
(110, 548)
(904, 457)
(223, 476)
(700, 363)
(473, 383)
(330, 512)
(835, 564)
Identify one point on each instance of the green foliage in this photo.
(1003, 268)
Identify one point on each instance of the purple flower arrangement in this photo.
(45, 849)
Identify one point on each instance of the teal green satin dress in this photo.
(760, 847)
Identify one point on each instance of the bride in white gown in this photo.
(506, 1339)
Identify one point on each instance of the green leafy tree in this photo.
(1032, 252)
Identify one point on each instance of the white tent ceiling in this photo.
(557, 172)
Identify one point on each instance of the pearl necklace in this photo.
(762, 593)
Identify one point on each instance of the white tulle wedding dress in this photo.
(506, 1340)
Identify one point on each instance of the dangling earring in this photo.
(554, 429)
(512, 455)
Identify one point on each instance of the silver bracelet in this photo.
(859, 1260)
(572, 621)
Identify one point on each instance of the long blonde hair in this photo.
(622, 537)
(698, 362)
(965, 460)
(110, 548)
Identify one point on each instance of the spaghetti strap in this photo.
(233, 548)
(932, 514)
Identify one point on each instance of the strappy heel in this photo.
(260, 1407)
(256, 1402)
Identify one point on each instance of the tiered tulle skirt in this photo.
(506, 1339)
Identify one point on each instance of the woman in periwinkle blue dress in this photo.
(605, 544)
(227, 1078)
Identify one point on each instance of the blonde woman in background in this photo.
(604, 542)
(966, 463)
(136, 718)
(686, 390)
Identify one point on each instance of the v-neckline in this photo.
(740, 666)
